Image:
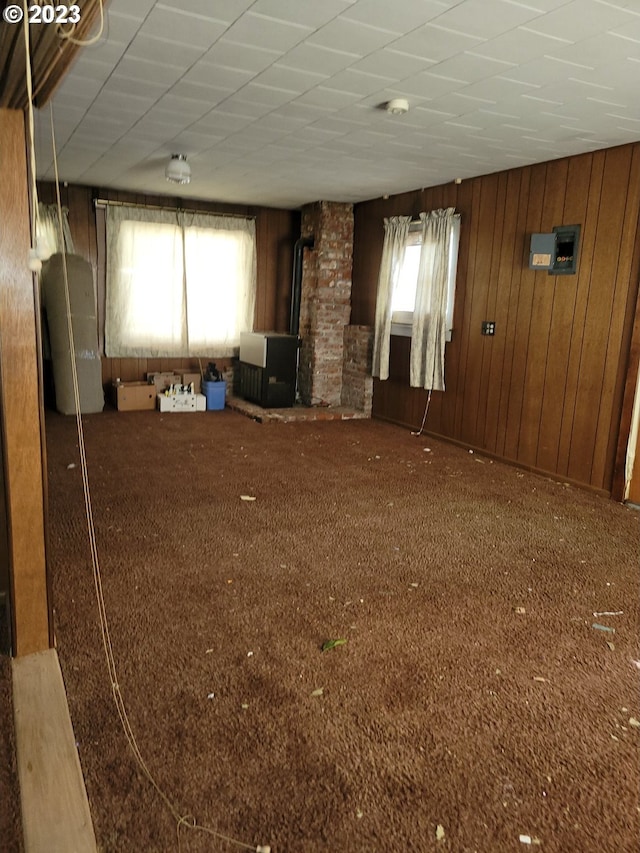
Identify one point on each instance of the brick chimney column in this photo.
(325, 307)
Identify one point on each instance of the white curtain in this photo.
(396, 230)
(429, 328)
(178, 284)
(48, 231)
(220, 270)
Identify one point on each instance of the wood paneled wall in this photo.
(22, 445)
(276, 232)
(546, 391)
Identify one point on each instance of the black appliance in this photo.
(268, 366)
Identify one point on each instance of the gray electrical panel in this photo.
(542, 251)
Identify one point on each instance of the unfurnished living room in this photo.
(320, 407)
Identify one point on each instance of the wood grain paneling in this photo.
(20, 399)
(547, 390)
(276, 232)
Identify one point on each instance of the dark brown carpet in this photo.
(10, 826)
(445, 707)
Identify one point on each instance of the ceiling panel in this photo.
(279, 101)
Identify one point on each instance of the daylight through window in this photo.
(177, 284)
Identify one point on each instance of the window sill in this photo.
(403, 330)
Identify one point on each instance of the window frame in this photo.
(402, 321)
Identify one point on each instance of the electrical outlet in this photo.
(488, 327)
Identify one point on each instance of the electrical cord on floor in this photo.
(424, 417)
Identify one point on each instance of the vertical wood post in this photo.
(20, 408)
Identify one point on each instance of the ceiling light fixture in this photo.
(397, 106)
(178, 171)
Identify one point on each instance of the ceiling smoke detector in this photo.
(178, 171)
(397, 106)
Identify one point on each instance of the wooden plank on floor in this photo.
(55, 809)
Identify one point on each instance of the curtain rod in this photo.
(105, 202)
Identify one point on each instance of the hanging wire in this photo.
(67, 35)
(424, 417)
(186, 821)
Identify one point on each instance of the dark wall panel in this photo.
(547, 390)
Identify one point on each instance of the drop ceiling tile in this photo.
(267, 95)
(312, 15)
(592, 52)
(158, 50)
(121, 27)
(392, 63)
(108, 51)
(352, 37)
(79, 87)
(223, 10)
(544, 71)
(135, 8)
(86, 66)
(221, 122)
(207, 74)
(403, 16)
(159, 124)
(239, 142)
(357, 82)
(430, 116)
(469, 67)
(320, 60)
(432, 42)
(143, 88)
(312, 134)
(243, 57)
(129, 149)
(308, 112)
(208, 95)
(249, 109)
(285, 78)
(519, 46)
(277, 121)
(183, 27)
(621, 75)
(194, 142)
(581, 19)
(257, 31)
(128, 103)
(497, 89)
(144, 70)
(179, 105)
(428, 86)
(332, 99)
(487, 18)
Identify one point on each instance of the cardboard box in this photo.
(160, 381)
(188, 378)
(134, 396)
(181, 403)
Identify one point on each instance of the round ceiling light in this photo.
(397, 106)
(178, 171)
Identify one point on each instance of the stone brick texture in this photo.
(357, 381)
(326, 301)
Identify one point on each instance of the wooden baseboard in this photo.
(55, 809)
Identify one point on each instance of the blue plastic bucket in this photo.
(215, 392)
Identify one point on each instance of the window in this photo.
(178, 284)
(404, 294)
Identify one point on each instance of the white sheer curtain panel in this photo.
(428, 332)
(220, 271)
(178, 284)
(145, 305)
(396, 230)
(48, 231)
